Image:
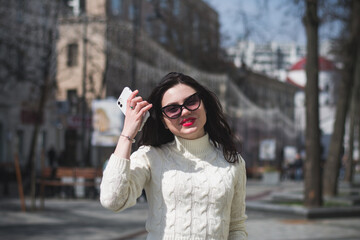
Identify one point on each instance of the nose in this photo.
(185, 111)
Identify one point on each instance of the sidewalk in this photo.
(69, 219)
(273, 222)
(268, 198)
(87, 219)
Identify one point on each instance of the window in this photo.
(176, 7)
(149, 28)
(196, 28)
(116, 7)
(77, 6)
(163, 4)
(20, 9)
(82, 4)
(72, 99)
(163, 38)
(72, 55)
(132, 11)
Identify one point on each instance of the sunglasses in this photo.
(174, 111)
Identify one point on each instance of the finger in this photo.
(134, 93)
(136, 100)
(141, 104)
(131, 97)
(146, 107)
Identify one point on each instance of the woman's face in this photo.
(190, 124)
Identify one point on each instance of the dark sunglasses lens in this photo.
(192, 103)
(172, 111)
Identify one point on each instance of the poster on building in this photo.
(289, 154)
(107, 122)
(267, 150)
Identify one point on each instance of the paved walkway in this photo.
(292, 228)
(69, 219)
(87, 219)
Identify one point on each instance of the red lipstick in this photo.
(188, 121)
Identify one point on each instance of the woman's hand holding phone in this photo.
(135, 110)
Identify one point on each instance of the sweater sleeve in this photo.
(238, 216)
(123, 181)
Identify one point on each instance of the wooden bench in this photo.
(68, 177)
(89, 175)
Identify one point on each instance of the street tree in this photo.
(348, 53)
(354, 119)
(313, 196)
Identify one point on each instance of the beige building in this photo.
(81, 53)
(81, 59)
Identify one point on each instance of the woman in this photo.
(193, 177)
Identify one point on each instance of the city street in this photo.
(87, 219)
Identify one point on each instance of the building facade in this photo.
(266, 115)
(188, 29)
(102, 44)
(267, 92)
(272, 59)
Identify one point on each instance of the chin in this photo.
(191, 134)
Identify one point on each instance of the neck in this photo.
(196, 147)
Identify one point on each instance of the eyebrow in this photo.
(176, 103)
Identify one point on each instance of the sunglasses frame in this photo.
(182, 106)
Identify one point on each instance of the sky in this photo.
(265, 21)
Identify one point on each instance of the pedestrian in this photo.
(51, 154)
(188, 164)
(298, 166)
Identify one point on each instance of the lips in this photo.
(188, 121)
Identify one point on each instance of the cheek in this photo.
(168, 123)
(203, 112)
(204, 118)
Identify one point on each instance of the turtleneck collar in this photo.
(198, 147)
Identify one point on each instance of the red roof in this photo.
(324, 65)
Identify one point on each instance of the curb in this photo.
(310, 213)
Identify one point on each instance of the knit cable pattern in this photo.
(192, 192)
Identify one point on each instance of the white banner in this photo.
(289, 154)
(107, 122)
(267, 151)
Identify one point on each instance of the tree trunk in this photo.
(44, 88)
(332, 165)
(313, 192)
(39, 115)
(354, 116)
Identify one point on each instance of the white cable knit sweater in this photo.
(192, 191)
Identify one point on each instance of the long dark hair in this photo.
(155, 134)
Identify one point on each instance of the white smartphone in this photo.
(121, 102)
